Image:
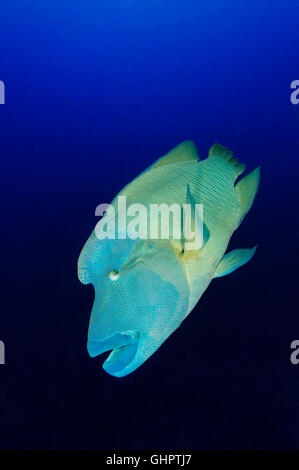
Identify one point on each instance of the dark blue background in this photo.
(95, 92)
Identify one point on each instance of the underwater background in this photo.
(95, 92)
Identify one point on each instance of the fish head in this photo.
(141, 297)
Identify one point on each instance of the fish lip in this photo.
(125, 342)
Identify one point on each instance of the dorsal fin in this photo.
(221, 152)
(185, 151)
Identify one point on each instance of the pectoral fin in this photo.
(190, 200)
(233, 260)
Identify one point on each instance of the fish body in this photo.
(145, 288)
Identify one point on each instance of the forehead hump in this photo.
(99, 255)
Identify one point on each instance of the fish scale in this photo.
(167, 184)
(144, 289)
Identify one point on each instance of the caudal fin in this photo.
(247, 188)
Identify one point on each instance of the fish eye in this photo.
(113, 275)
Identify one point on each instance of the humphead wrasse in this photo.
(145, 288)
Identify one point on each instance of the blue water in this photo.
(95, 92)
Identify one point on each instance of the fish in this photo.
(145, 288)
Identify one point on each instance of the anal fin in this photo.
(234, 260)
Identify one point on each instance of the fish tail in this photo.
(247, 189)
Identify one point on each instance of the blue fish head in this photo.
(141, 297)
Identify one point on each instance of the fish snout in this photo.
(124, 347)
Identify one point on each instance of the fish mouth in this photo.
(124, 347)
